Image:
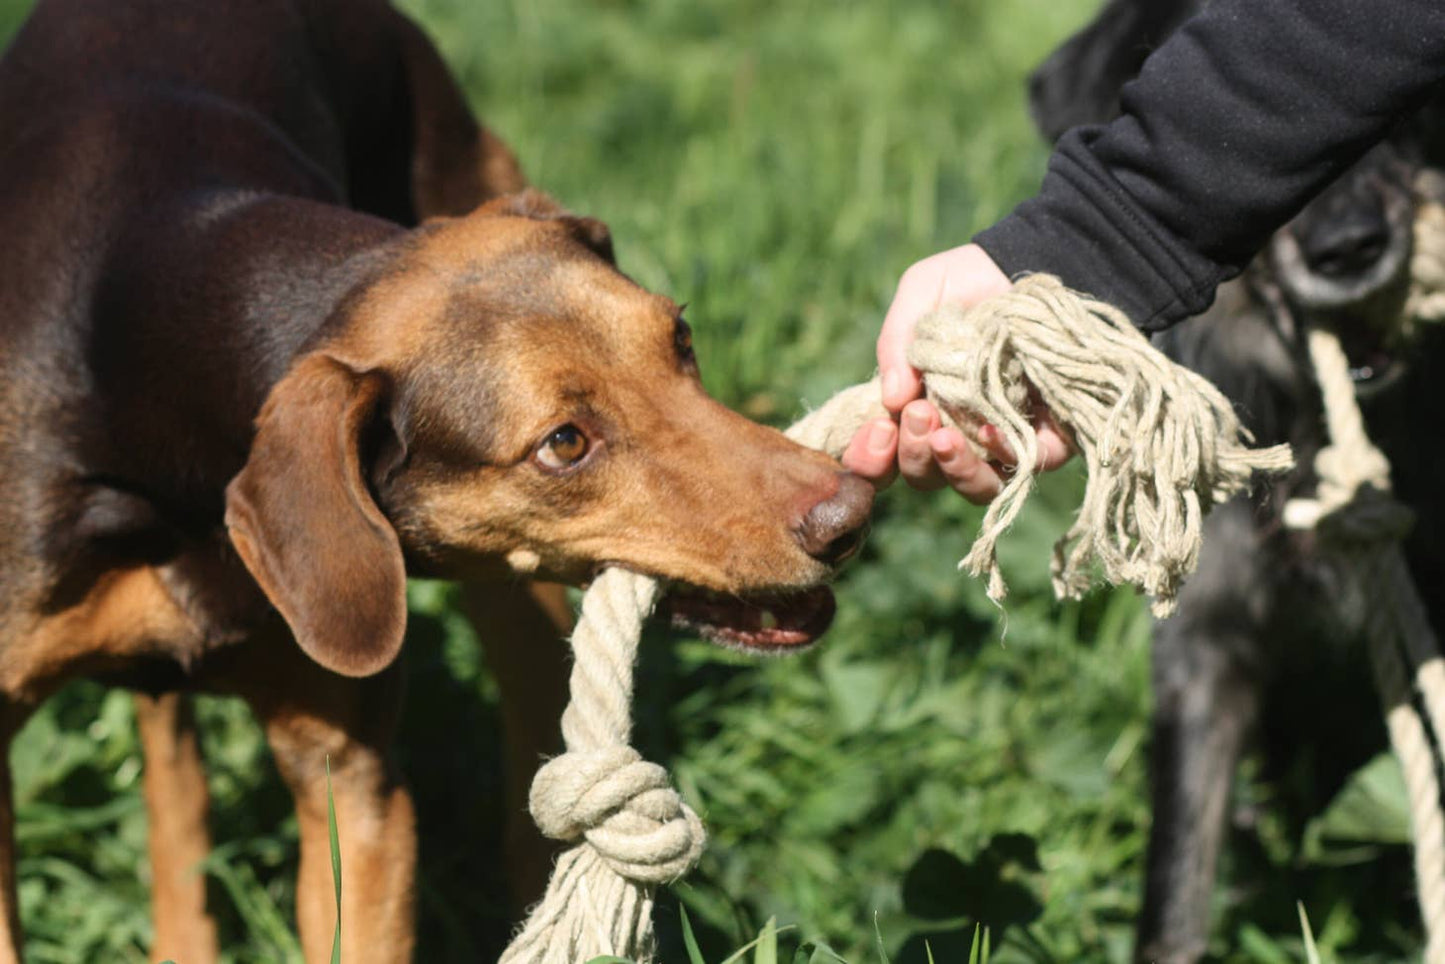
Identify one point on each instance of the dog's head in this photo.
(501, 397)
(1343, 262)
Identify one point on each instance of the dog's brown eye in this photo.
(682, 340)
(563, 448)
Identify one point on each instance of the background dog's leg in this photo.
(1206, 690)
(312, 715)
(177, 805)
(523, 627)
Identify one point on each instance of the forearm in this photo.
(1233, 124)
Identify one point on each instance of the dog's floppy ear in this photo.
(304, 521)
(1080, 81)
(541, 206)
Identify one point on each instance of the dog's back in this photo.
(136, 203)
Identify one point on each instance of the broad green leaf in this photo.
(1372, 808)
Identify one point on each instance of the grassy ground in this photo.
(775, 165)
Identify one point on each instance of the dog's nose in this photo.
(833, 529)
(1343, 246)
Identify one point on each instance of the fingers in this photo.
(970, 476)
(998, 448)
(871, 454)
(1055, 447)
(915, 457)
(917, 295)
(1055, 444)
(931, 456)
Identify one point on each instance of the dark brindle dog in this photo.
(242, 397)
(1264, 603)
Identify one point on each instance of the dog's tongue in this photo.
(765, 622)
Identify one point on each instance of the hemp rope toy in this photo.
(1161, 446)
(1361, 523)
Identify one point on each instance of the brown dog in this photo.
(233, 385)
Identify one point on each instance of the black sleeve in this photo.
(1234, 123)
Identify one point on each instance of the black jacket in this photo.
(1234, 123)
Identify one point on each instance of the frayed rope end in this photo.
(1161, 444)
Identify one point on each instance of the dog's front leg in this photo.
(12, 716)
(312, 717)
(1206, 688)
(177, 805)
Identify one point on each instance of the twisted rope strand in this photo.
(1357, 517)
(1426, 302)
(1417, 759)
(631, 829)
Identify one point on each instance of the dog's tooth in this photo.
(769, 621)
(524, 561)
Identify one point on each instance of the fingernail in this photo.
(892, 385)
(880, 438)
(916, 421)
(942, 444)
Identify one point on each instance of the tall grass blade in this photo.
(694, 955)
(878, 934)
(978, 951)
(767, 952)
(766, 942)
(335, 863)
(1312, 952)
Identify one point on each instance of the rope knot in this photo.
(624, 807)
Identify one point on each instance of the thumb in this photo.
(917, 294)
(963, 276)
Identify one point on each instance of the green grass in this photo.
(776, 165)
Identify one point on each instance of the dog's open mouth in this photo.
(1373, 365)
(765, 621)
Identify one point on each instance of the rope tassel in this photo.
(1160, 443)
(1161, 446)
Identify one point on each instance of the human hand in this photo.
(927, 454)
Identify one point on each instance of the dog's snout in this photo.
(833, 529)
(1347, 245)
